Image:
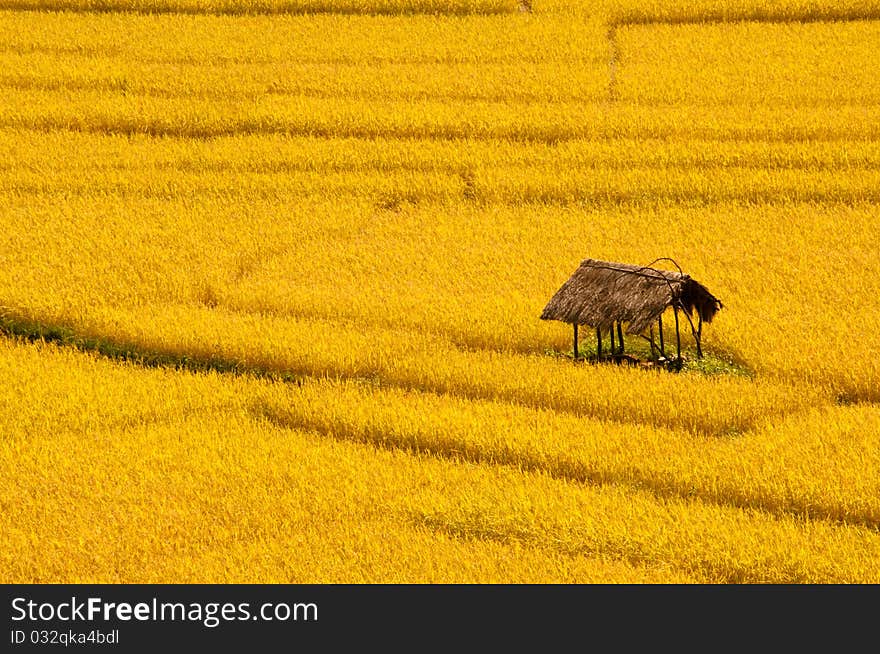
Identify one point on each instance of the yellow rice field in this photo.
(271, 276)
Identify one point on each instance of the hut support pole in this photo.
(620, 336)
(660, 329)
(576, 354)
(651, 340)
(598, 343)
(611, 332)
(677, 333)
(699, 335)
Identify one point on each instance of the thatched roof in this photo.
(602, 292)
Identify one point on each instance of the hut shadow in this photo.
(717, 361)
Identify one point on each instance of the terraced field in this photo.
(271, 272)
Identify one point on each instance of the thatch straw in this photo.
(600, 293)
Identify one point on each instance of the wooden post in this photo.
(598, 343)
(653, 348)
(620, 336)
(576, 342)
(677, 333)
(611, 332)
(660, 327)
(699, 335)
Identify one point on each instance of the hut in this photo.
(609, 296)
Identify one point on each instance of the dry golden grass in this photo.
(206, 477)
(798, 64)
(292, 267)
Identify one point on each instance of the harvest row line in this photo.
(281, 40)
(511, 84)
(798, 65)
(397, 177)
(687, 12)
(547, 123)
(616, 12)
(596, 188)
(56, 153)
(270, 7)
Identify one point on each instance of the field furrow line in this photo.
(268, 7)
(662, 484)
(721, 560)
(446, 371)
